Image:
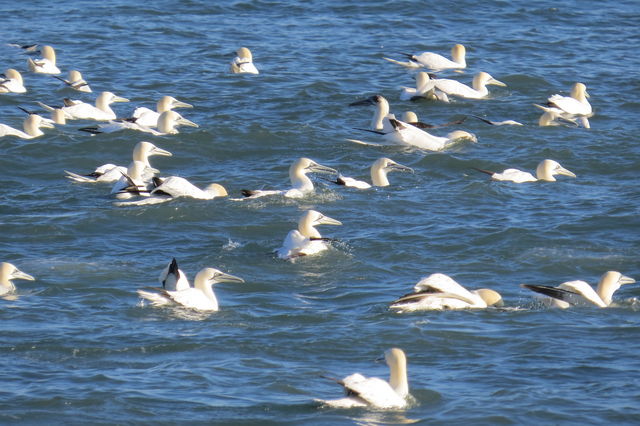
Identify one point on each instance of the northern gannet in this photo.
(499, 123)
(133, 182)
(410, 117)
(45, 65)
(243, 62)
(199, 297)
(75, 82)
(11, 82)
(455, 88)
(397, 132)
(168, 123)
(439, 292)
(306, 240)
(9, 272)
(149, 118)
(434, 61)
(379, 170)
(579, 292)
(300, 182)
(173, 278)
(174, 187)
(545, 171)
(554, 117)
(374, 392)
(381, 111)
(111, 173)
(569, 107)
(77, 110)
(31, 125)
(422, 90)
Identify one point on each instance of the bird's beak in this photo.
(319, 168)
(368, 101)
(221, 277)
(496, 82)
(47, 123)
(326, 220)
(565, 172)
(179, 104)
(626, 280)
(160, 151)
(19, 275)
(399, 168)
(120, 99)
(183, 121)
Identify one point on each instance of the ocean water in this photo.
(78, 347)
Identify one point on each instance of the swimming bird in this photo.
(423, 90)
(381, 111)
(568, 107)
(306, 240)
(75, 82)
(440, 291)
(45, 65)
(11, 82)
(455, 88)
(111, 173)
(300, 182)
(499, 123)
(435, 61)
(173, 278)
(243, 62)
(554, 117)
(379, 170)
(579, 292)
(168, 123)
(397, 132)
(133, 182)
(166, 189)
(374, 392)
(8, 273)
(199, 297)
(148, 117)
(77, 110)
(31, 125)
(545, 171)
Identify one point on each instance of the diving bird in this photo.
(579, 292)
(166, 189)
(570, 107)
(374, 392)
(379, 170)
(111, 173)
(243, 62)
(545, 171)
(306, 240)
(75, 82)
(440, 291)
(435, 61)
(8, 273)
(301, 184)
(455, 88)
(148, 117)
(77, 110)
(11, 82)
(46, 64)
(31, 126)
(199, 297)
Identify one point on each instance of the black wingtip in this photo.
(489, 172)
(92, 130)
(247, 192)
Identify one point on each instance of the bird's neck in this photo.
(379, 177)
(301, 181)
(202, 284)
(31, 128)
(381, 112)
(308, 231)
(398, 380)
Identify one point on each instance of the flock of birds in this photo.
(137, 184)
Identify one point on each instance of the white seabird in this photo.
(379, 170)
(554, 117)
(434, 61)
(11, 82)
(199, 297)
(381, 111)
(374, 392)
(133, 182)
(579, 292)
(167, 124)
(31, 125)
(570, 107)
(45, 65)
(111, 173)
(424, 89)
(455, 88)
(398, 132)
(75, 82)
(306, 240)
(149, 118)
(174, 187)
(77, 110)
(439, 292)
(545, 171)
(300, 182)
(243, 62)
(8, 273)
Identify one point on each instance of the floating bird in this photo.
(300, 182)
(455, 88)
(9, 272)
(381, 111)
(31, 125)
(111, 173)
(167, 124)
(173, 278)
(166, 189)
(579, 292)
(374, 392)
(306, 240)
(199, 297)
(499, 123)
(421, 90)
(379, 170)
(75, 82)
(149, 118)
(570, 107)
(434, 61)
(45, 65)
(439, 292)
(397, 132)
(546, 171)
(554, 117)
(243, 62)
(410, 117)
(11, 82)
(77, 110)
(133, 182)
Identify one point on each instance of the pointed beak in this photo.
(19, 275)
(626, 280)
(45, 122)
(586, 94)
(120, 99)
(368, 101)
(184, 122)
(395, 167)
(326, 220)
(221, 277)
(179, 104)
(565, 172)
(496, 82)
(160, 151)
(319, 168)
